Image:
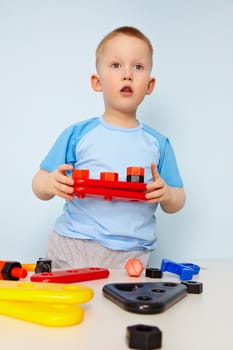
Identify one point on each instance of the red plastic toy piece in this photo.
(71, 276)
(12, 270)
(135, 170)
(108, 176)
(80, 174)
(134, 267)
(18, 272)
(108, 186)
(135, 174)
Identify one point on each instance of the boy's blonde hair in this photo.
(130, 31)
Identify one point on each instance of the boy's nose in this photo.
(127, 74)
(127, 77)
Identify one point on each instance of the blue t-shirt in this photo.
(95, 145)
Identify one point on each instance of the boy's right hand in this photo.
(60, 183)
(46, 185)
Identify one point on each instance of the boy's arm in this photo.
(46, 184)
(171, 199)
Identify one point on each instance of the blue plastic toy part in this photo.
(196, 268)
(185, 271)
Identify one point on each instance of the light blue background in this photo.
(46, 58)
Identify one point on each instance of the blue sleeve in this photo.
(62, 152)
(168, 168)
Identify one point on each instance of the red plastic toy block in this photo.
(71, 276)
(108, 186)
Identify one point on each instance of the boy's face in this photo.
(124, 68)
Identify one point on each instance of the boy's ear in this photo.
(151, 85)
(95, 83)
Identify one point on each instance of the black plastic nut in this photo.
(153, 272)
(193, 287)
(135, 178)
(144, 337)
(43, 265)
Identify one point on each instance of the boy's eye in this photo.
(138, 66)
(116, 65)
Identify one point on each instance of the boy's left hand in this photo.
(157, 191)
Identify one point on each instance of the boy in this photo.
(91, 231)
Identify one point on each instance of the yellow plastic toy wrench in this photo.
(49, 304)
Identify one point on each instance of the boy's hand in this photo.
(157, 191)
(60, 184)
(171, 199)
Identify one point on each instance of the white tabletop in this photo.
(198, 321)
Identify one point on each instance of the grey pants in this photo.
(66, 252)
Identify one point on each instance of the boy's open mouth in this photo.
(126, 90)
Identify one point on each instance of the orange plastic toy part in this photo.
(29, 266)
(81, 174)
(134, 267)
(109, 176)
(135, 174)
(133, 170)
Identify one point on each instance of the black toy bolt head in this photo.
(144, 337)
(153, 272)
(43, 265)
(193, 287)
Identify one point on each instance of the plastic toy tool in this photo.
(71, 276)
(108, 186)
(145, 298)
(185, 270)
(11, 270)
(42, 303)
